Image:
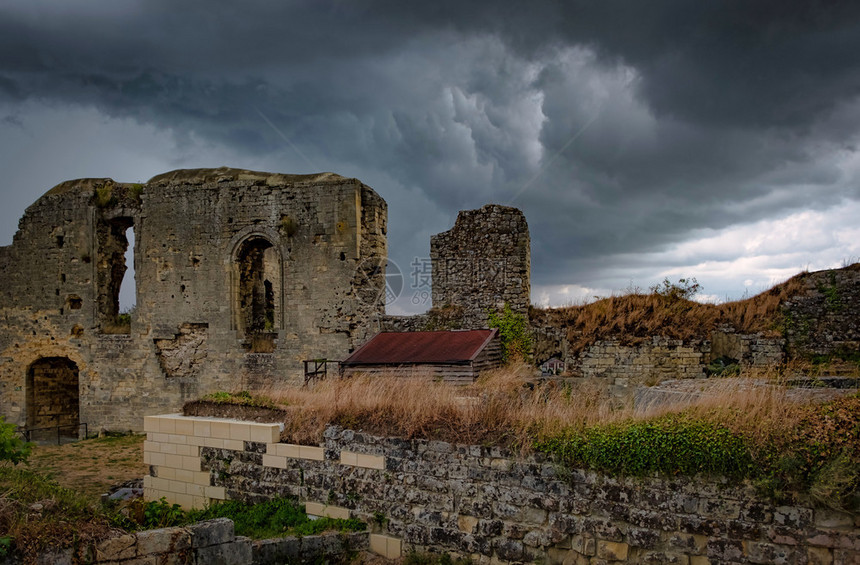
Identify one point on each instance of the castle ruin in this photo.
(240, 276)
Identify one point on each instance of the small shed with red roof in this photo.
(457, 356)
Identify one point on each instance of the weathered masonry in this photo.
(486, 502)
(483, 262)
(240, 276)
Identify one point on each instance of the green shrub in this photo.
(514, 333)
(12, 448)
(273, 518)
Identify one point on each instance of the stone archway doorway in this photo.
(53, 398)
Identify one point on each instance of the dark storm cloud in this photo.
(618, 126)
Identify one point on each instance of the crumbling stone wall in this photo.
(825, 318)
(489, 504)
(315, 292)
(483, 262)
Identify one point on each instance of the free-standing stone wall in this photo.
(483, 262)
(490, 504)
(240, 277)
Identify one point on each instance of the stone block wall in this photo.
(204, 543)
(825, 317)
(483, 262)
(240, 276)
(494, 506)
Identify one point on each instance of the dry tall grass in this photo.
(634, 318)
(504, 408)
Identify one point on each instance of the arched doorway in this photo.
(53, 396)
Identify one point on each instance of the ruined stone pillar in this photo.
(483, 262)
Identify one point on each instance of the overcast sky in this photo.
(642, 140)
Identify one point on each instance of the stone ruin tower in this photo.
(483, 262)
(240, 276)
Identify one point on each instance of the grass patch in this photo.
(241, 398)
(278, 517)
(36, 514)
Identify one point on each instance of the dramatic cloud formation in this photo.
(642, 139)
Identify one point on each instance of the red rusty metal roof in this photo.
(401, 348)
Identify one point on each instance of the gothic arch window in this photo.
(257, 286)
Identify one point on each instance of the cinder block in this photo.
(158, 459)
(158, 437)
(189, 463)
(151, 494)
(186, 501)
(174, 461)
(274, 461)
(215, 442)
(283, 450)
(184, 426)
(195, 490)
(317, 509)
(190, 450)
(177, 486)
(196, 440)
(168, 473)
(160, 483)
(240, 431)
(201, 478)
(313, 453)
(386, 546)
(234, 444)
(219, 430)
(166, 425)
(202, 428)
(218, 493)
(265, 433)
(314, 508)
(370, 461)
(147, 458)
(147, 481)
(150, 424)
(348, 458)
(177, 438)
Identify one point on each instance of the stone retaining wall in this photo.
(487, 503)
(208, 543)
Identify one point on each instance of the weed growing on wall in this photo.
(514, 333)
(675, 444)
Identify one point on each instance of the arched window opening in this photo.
(259, 283)
(113, 244)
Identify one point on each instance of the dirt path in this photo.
(91, 466)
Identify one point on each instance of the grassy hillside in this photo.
(668, 311)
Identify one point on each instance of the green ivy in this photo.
(514, 333)
(671, 445)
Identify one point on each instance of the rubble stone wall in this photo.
(494, 506)
(483, 262)
(825, 317)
